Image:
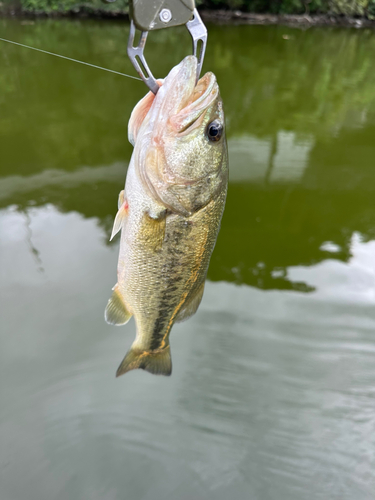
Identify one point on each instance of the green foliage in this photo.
(349, 7)
(371, 9)
(337, 7)
(48, 5)
(63, 6)
(362, 8)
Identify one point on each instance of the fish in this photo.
(169, 212)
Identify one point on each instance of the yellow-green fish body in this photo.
(169, 212)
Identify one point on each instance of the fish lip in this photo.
(201, 98)
(208, 84)
(175, 92)
(181, 100)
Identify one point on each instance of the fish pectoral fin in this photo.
(156, 362)
(116, 312)
(119, 219)
(153, 230)
(191, 306)
(121, 199)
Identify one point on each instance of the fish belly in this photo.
(158, 280)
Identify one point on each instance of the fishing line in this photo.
(70, 59)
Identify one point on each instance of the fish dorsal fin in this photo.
(156, 362)
(116, 312)
(191, 306)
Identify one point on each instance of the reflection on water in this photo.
(271, 395)
(300, 128)
(281, 159)
(272, 391)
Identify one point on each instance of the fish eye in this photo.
(214, 130)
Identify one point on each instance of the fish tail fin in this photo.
(156, 362)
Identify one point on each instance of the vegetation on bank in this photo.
(361, 8)
(356, 8)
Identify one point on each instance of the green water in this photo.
(272, 394)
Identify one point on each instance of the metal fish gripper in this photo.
(146, 16)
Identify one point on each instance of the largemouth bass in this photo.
(169, 212)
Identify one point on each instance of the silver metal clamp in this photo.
(198, 32)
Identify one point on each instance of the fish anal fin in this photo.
(153, 231)
(156, 362)
(191, 306)
(116, 312)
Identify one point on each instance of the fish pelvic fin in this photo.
(191, 305)
(158, 362)
(116, 312)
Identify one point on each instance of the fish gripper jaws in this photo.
(198, 32)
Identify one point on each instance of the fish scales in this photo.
(169, 212)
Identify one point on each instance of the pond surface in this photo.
(272, 394)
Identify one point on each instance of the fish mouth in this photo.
(180, 101)
(191, 116)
